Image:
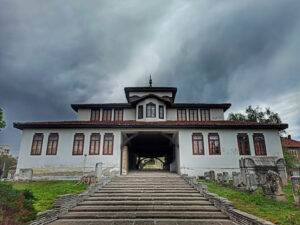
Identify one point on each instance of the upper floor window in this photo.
(259, 144)
(151, 110)
(52, 144)
(161, 112)
(193, 115)
(140, 112)
(78, 144)
(243, 143)
(95, 115)
(108, 144)
(181, 114)
(118, 115)
(214, 144)
(37, 144)
(205, 114)
(95, 144)
(106, 115)
(198, 146)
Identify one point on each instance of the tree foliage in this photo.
(256, 115)
(16, 207)
(2, 122)
(290, 159)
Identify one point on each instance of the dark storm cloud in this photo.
(53, 53)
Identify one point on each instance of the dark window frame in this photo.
(140, 112)
(197, 140)
(38, 143)
(95, 150)
(51, 150)
(105, 114)
(211, 147)
(242, 148)
(106, 151)
(95, 115)
(152, 109)
(119, 112)
(193, 110)
(77, 145)
(201, 114)
(179, 118)
(258, 149)
(161, 112)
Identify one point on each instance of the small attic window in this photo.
(151, 110)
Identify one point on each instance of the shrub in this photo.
(16, 207)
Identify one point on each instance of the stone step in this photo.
(129, 191)
(152, 183)
(143, 208)
(144, 194)
(143, 215)
(147, 187)
(138, 203)
(162, 198)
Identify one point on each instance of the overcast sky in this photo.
(54, 53)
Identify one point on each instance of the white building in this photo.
(4, 150)
(192, 138)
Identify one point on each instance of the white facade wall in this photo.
(216, 114)
(84, 114)
(129, 114)
(160, 94)
(64, 162)
(172, 114)
(195, 165)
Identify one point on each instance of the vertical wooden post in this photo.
(124, 160)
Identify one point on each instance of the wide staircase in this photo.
(146, 198)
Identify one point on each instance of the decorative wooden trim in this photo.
(163, 112)
(112, 150)
(150, 104)
(198, 152)
(95, 115)
(33, 140)
(98, 150)
(181, 110)
(118, 110)
(110, 115)
(208, 110)
(55, 152)
(78, 134)
(255, 147)
(239, 146)
(197, 119)
(210, 147)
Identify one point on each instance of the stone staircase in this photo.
(145, 198)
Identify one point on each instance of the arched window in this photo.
(52, 144)
(78, 144)
(37, 143)
(95, 144)
(151, 110)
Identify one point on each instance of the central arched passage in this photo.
(151, 151)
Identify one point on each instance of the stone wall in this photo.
(237, 216)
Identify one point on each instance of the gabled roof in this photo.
(134, 102)
(150, 89)
(290, 143)
(163, 124)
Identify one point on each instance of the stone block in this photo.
(219, 178)
(272, 188)
(225, 178)
(212, 176)
(25, 175)
(98, 170)
(296, 189)
(237, 180)
(251, 183)
(207, 176)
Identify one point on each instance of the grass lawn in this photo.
(256, 204)
(46, 191)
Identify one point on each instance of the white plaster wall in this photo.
(160, 94)
(195, 165)
(171, 114)
(216, 114)
(84, 114)
(157, 103)
(64, 161)
(129, 114)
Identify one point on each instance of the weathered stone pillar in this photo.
(124, 160)
(98, 170)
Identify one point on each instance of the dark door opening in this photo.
(152, 151)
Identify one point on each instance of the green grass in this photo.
(46, 191)
(256, 204)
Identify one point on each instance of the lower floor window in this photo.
(95, 144)
(108, 144)
(243, 143)
(198, 147)
(259, 144)
(214, 144)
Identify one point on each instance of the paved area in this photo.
(145, 198)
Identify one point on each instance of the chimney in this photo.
(289, 137)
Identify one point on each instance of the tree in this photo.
(2, 122)
(290, 160)
(256, 115)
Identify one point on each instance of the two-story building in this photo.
(189, 138)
